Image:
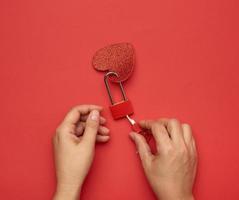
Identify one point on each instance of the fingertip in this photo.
(141, 145)
(132, 135)
(94, 115)
(145, 124)
(145, 121)
(103, 130)
(100, 108)
(92, 107)
(102, 120)
(102, 138)
(136, 137)
(141, 122)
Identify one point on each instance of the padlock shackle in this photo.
(106, 78)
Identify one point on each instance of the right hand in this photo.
(171, 171)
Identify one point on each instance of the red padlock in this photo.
(119, 109)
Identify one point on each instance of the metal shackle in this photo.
(106, 78)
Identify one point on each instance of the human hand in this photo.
(171, 171)
(74, 146)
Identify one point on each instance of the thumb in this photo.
(142, 147)
(91, 127)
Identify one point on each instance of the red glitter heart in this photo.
(119, 58)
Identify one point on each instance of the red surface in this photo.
(186, 67)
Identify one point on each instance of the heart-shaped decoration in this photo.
(119, 58)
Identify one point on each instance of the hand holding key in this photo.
(171, 171)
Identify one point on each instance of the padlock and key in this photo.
(124, 108)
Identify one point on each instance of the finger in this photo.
(187, 134)
(159, 132)
(102, 130)
(83, 118)
(174, 128)
(102, 138)
(142, 147)
(80, 129)
(73, 116)
(146, 124)
(194, 146)
(64, 130)
(91, 127)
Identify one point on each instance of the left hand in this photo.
(74, 147)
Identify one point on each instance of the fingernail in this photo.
(94, 115)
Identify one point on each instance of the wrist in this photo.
(189, 197)
(174, 195)
(65, 191)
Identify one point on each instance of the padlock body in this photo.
(121, 109)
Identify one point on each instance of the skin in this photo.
(74, 148)
(170, 172)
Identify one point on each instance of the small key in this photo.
(136, 128)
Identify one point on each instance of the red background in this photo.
(187, 67)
